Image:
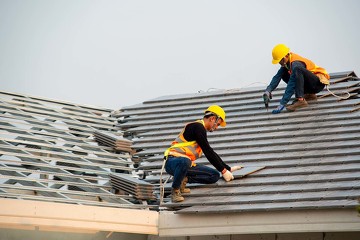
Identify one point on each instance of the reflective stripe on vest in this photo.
(312, 67)
(182, 148)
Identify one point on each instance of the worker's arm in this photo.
(197, 132)
(276, 80)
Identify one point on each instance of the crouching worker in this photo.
(188, 146)
(301, 75)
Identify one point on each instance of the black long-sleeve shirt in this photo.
(196, 132)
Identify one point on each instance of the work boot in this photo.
(176, 195)
(310, 97)
(183, 188)
(297, 104)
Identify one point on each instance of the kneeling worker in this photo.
(188, 147)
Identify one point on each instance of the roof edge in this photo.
(336, 220)
(62, 217)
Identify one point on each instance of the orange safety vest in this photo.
(182, 148)
(312, 67)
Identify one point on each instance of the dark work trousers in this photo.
(306, 82)
(181, 167)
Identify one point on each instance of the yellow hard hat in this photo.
(219, 112)
(278, 52)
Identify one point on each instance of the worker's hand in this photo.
(228, 176)
(278, 109)
(235, 168)
(267, 96)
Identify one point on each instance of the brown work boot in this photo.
(310, 97)
(297, 104)
(183, 188)
(176, 195)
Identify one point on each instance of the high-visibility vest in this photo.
(312, 67)
(182, 148)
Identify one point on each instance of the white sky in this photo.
(120, 53)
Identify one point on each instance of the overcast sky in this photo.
(120, 53)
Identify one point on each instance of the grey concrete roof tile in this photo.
(308, 156)
(270, 206)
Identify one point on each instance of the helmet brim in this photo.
(223, 124)
(275, 61)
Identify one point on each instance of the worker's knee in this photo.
(214, 177)
(298, 70)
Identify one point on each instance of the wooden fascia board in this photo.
(75, 218)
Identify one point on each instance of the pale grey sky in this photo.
(119, 53)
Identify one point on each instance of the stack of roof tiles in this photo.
(110, 139)
(312, 156)
(140, 189)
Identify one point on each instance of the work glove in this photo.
(278, 109)
(228, 176)
(267, 96)
(235, 168)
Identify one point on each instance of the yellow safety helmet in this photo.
(278, 52)
(219, 112)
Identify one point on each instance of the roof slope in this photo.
(312, 156)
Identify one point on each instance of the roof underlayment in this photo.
(48, 152)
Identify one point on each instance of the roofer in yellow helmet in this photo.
(189, 146)
(301, 75)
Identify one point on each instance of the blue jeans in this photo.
(180, 167)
